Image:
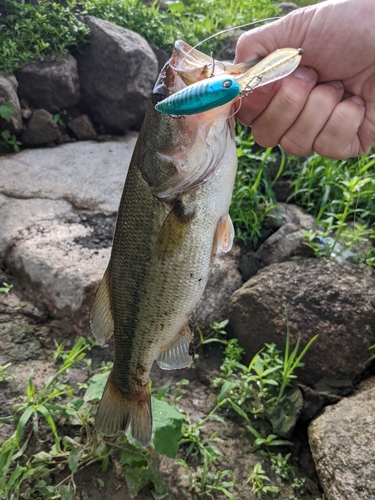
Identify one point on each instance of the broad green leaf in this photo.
(136, 479)
(6, 110)
(74, 458)
(167, 427)
(96, 386)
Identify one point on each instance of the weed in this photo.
(372, 348)
(10, 141)
(6, 110)
(340, 194)
(265, 387)
(253, 197)
(4, 377)
(6, 288)
(258, 479)
(281, 465)
(24, 477)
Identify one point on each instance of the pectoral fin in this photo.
(101, 320)
(178, 354)
(224, 234)
(173, 229)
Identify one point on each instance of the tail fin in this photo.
(117, 411)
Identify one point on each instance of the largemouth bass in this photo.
(173, 218)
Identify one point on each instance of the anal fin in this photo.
(101, 320)
(179, 353)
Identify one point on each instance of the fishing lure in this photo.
(216, 91)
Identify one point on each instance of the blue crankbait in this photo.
(218, 90)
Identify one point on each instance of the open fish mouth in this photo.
(191, 66)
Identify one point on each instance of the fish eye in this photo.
(158, 95)
(227, 83)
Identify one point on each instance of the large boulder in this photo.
(8, 93)
(51, 85)
(117, 72)
(57, 210)
(343, 446)
(322, 297)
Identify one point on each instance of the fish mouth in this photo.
(188, 65)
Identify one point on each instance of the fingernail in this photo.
(358, 100)
(336, 83)
(305, 73)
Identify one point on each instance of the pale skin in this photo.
(328, 104)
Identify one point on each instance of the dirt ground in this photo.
(27, 336)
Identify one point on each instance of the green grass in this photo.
(49, 29)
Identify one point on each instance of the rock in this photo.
(161, 56)
(342, 446)
(117, 70)
(322, 297)
(287, 7)
(58, 273)
(51, 85)
(286, 213)
(284, 244)
(225, 278)
(82, 128)
(249, 262)
(49, 238)
(18, 342)
(88, 175)
(8, 93)
(41, 129)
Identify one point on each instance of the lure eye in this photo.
(227, 83)
(158, 95)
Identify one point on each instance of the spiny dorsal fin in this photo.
(117, 411)
(101, 320)
(173, 229)
(179, 353)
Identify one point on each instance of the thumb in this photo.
(259, 42)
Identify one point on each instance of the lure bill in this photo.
(216, 91)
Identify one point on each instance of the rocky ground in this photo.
(57, 222)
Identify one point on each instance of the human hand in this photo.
(328, 104)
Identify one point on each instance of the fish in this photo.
(172, 220)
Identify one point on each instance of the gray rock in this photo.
(286, 213)
(284, 244)
(322, 297)
(8, 93)
(249, 262)
(343, 448)
(50, 85)
(89, 175)
(56, 272)
(225, 279)
(161, 56)
(18, 342)
(41, 129)
(117, 72)
(82, 128)
(43, 240)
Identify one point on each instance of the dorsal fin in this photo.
(101, 320)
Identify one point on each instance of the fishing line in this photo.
(227, 30)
